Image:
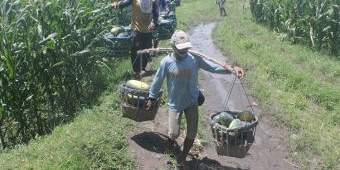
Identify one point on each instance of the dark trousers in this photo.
(223, 12)
(140, 41)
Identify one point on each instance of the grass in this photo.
(292, 84)
(94, 140)
(193, 12)
(297, 88)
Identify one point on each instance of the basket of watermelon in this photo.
(167, 24)
(134, 95)
(233, 132)
(118, 40)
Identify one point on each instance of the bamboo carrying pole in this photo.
(151, 50)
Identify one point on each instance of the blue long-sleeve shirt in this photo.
(182, 79)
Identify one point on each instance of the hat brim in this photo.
(183, 45)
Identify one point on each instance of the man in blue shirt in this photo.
(180, 68)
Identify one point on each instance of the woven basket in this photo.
(134, 104)
(233, 142)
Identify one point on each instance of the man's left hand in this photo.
(238, 71)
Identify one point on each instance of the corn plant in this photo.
(314, 23)
(48, 63)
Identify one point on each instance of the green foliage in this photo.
(314, 23)
(292, 84)
(51, 60)
(94, 140)
(186, 16)
(297, 88)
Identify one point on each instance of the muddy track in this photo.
(268, 152)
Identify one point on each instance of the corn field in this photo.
(315, 23)
(50, 62)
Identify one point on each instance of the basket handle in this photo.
(231, 89)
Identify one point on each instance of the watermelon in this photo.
(225, 119)
(247, 116)
(139, 85)
(235, 124)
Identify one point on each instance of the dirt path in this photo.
(267, 152)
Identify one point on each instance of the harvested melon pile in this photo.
(234, 132)
(231, 122)
(118, 41)
(139, 85)
(135, 99)
(234, 121)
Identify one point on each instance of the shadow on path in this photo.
(208, 164)
(151, 141)
(157, 142)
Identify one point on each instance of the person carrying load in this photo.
(180, 68)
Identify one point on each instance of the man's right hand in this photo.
(115, 5)
(150, 104)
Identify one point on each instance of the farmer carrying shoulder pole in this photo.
(144, 20)
(180, 68)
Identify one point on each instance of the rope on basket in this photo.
(230, 91)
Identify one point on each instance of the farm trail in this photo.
(268, 152)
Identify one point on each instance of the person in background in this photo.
(221, 5)
(163, 6)
(144, 20)
(180, 68)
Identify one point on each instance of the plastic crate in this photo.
(165, 29)
(119, 45)
(178, 2)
